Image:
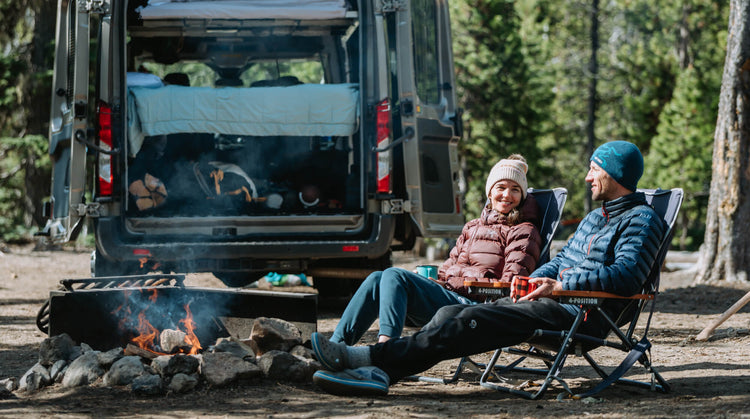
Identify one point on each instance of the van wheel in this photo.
(237, 279)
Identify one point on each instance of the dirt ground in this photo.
(709, 379)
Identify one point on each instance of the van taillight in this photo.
(383, 121)
(104, 113)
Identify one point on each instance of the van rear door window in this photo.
(425, 50)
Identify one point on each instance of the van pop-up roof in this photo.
(245, 9)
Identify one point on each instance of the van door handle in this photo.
(81, 138)
(408, 134)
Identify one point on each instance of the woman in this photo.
(501, 243)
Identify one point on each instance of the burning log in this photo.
(131, 349)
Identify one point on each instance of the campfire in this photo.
(180, 338)
(155, 335)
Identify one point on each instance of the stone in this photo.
(171, 339)
(86, 348)
(56, 348)
(280, 365)
(160, 363)
(106, 359)
(56, 369)
(235, 348)
(222, 368)
(83, 370)
(175, 364)
(124, 371)
(35, 378)
(302, 352)
(182, 383)
(10, 383)
(270, 334)
(147, 385)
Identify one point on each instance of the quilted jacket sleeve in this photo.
(621, 262)
(453, 256)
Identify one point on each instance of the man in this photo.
(612, 250)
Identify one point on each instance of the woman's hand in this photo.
(544, 288)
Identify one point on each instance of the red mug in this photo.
(522, 286)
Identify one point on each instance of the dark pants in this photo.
(463, 330)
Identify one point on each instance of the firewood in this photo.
(131, 349)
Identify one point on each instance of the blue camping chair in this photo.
(553, 346)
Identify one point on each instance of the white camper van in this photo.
(242, 137)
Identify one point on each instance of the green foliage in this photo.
(202, 75)
(504, 99)
(683, 145)
(15, 155)
(12, 68)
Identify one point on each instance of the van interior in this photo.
(243, 108)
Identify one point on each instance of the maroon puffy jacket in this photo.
(489, 249)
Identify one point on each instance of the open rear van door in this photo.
(69, 122)
(428, 115)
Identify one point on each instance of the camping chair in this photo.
(553, 346)
(551, 203)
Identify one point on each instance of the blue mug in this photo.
(428, 271)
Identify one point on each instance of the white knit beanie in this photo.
(514, 170)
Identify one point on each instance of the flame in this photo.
(148, 333)
(189, 324)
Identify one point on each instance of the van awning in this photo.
(245, 9)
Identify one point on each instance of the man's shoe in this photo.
(332, 355)
(362, 381)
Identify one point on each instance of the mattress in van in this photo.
(301, 110)
(245, 9)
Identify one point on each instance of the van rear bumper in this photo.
(117, 245)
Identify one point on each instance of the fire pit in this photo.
(108, 312)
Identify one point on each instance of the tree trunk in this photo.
(724, 254)
(593, 78)
(37, 105)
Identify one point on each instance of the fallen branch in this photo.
(706, 333)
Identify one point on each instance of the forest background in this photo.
(548, 79)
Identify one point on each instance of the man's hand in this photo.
(544, 288)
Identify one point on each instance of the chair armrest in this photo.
(600, 294)
(593, 298)
(491, 290)
(480, 284)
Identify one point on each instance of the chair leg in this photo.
(638, 353)
(552, 373)
(465, 362)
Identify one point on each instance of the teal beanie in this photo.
(621, 160)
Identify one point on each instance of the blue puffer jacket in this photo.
(612, 250)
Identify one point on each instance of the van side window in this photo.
(425, 50)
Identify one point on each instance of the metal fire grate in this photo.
(153, 280)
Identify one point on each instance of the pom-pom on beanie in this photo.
(510, 169)
(622, 161)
